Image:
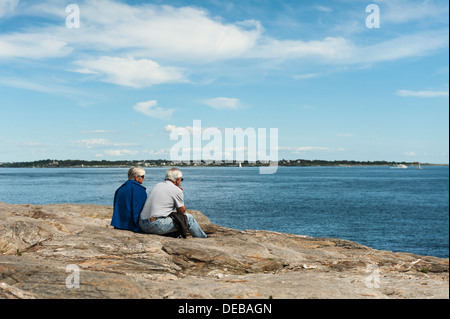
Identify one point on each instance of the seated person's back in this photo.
(162, 200)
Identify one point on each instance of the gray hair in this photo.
(135, 171)
(173, 174)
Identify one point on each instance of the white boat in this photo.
(419, 167)
(401, 166)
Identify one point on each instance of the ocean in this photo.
(405, 210)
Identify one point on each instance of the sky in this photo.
(114, 80)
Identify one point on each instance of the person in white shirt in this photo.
(163, 199)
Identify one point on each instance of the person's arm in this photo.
(179, 202)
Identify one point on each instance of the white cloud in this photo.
(329, 48)
(7, 7)
(168, 32)
(342, 51)
(306, 76)
(100, 142)
(415, 45)
(84, 71)
(423, 94)
(169, 128)
(156, 31)
(130, 72)
(39, 85)
(150, 108)
(163, 151)
(139, 38)
(90, 143)
(403, 11)
(32, 46)
(25, 84)
(223, 103)
(188, 34)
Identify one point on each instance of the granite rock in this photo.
(71, 251)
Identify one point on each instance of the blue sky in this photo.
(117, 86)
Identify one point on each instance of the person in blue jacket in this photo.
(129, 200)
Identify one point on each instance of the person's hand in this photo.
(178, 183)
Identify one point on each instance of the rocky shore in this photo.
(70, 251)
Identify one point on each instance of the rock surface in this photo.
(46, 250)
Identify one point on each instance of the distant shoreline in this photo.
(166, 163)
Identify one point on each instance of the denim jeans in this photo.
(162, 226)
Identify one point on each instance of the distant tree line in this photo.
(303, 162)
(162, 162)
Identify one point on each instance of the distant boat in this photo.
(402, 166)
(240, 165)
(419, 167)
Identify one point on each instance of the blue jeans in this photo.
(165, 225)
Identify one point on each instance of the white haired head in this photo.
(173, 174)
(135, 171)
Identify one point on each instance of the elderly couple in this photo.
(135, 211)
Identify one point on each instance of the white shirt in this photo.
(163, 199)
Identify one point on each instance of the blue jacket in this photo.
(128, 202)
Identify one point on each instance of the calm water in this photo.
(389, 209)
